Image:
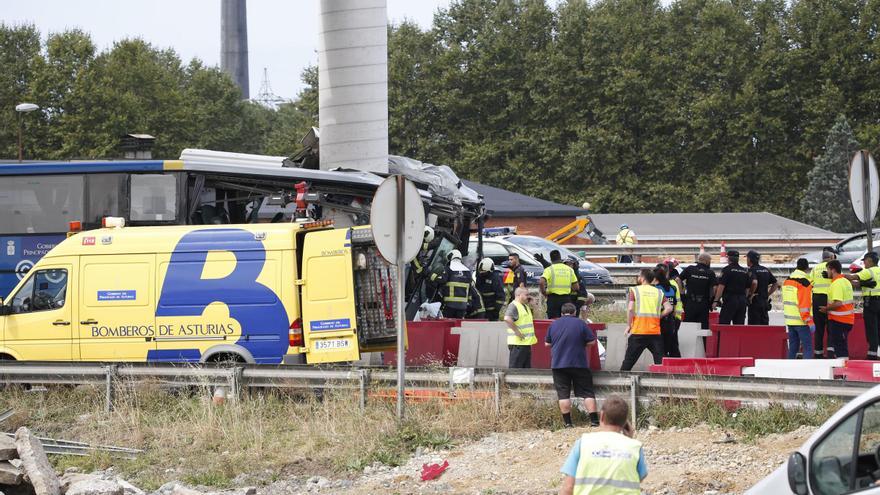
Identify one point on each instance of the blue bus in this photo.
(39, 200)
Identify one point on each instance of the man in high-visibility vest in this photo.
(821, 284)
(608, 461)
(645, 307)
(840, 311)
(868, 280)
(797, 300)
(557, 284)
(625, 237)
(520, 330)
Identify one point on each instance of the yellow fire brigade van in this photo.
(255, 293)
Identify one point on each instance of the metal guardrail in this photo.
(640, 387)
(693, 248)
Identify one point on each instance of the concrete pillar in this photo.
(233, 40)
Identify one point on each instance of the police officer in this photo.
(580, 298)
(759, 299)
(557, 284)
(732, 291)
(490, 288)
(821, 280)
(455, 286)
(869, 281)
(700, 283)
(516, 275)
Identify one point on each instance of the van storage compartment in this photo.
(375, 288)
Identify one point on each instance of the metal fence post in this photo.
(235, 382)
(110, 375)
(363, 384)
(634, 398)
(499, 380)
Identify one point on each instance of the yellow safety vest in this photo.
(559, 277)
(841, 290)
(525, 324)
(608, 465)
(796, 303)
(821, 285)
(679, 307)
(648, 308)
(626, 237)
(873, 272)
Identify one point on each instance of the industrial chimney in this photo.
(233, 40)
(353, 85)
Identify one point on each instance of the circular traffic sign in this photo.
(386, 229)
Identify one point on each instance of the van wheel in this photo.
(226, 359)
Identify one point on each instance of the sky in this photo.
(282, 35)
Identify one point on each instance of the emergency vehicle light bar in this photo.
(113, 222)
(318, 223)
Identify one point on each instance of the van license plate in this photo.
(321, 345)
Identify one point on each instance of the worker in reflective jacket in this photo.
(840, 311)
(608, 461)
(557, 284)
(646, 306)
(797, 307)
(490, 288)
(455, 286)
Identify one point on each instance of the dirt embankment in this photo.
(681, 461)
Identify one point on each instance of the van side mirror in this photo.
(797, 473)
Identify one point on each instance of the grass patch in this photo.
(187, 438)
(753, 422)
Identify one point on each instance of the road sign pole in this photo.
(866, 206)
(401, 311)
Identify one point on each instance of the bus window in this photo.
(103, 199)
(153, 198)
(40, 204)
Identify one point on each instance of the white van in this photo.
(843, 456)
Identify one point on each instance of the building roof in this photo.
(504, 203)
(702, 226)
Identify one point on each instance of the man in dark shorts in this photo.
(568, 338)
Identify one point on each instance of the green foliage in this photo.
(753, 422)
(826, 203)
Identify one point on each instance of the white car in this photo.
(842, 456)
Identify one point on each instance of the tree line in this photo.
(632, 105)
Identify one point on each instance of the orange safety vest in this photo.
(648, 305)
(841, 290)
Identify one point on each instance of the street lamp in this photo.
(23, 108)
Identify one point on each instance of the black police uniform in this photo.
(492, 291)
(759, 306)
(700, 283)
(736, 280)
(519, 278)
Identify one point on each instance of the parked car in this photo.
(848, 250)
(499, 250)
(591, 272)
(842, 456)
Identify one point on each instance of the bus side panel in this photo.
(328, 307)
(220, 287)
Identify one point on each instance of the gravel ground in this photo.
(701, 460)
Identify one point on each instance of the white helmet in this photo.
(453, 255)
(429, 234)
(486, 265)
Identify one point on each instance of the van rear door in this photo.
(328, 303)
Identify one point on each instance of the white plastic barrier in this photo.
(483, 344)
(810, 369)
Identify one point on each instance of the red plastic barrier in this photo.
(857, 344)
(541, 353)
(756, 341)
(858, 371)
(703, 366)
(428, 343)
(712, 340)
